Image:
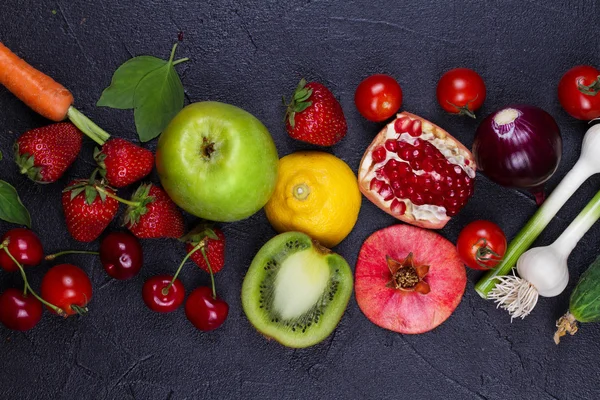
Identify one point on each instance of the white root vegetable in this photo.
(543, 271)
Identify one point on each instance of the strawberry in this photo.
(44, 154)
(213, 243)
(152, 214)
(123, 163)
(315, 116)
(87, 208)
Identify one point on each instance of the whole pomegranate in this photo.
(417, 172)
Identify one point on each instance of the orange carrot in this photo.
(36, 89)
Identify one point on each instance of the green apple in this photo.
(217, 161)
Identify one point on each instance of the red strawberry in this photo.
(44, 154)
(315, 116)
(155, 215)
(88, 210)
(123, 163)
(213, 242)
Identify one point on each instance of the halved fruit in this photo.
(417, 172)
(296, 290)
(408, 279)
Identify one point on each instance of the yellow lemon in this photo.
(317, 194)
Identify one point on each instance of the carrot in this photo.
(43, 94)
(40, 92)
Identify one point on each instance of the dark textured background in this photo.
(249, 54)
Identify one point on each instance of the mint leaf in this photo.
(121, 91)
(158, 98)
(11, 208)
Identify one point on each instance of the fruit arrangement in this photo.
(219, 163)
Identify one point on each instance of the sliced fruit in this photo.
(296, 290)
(415, 162)
(408, 279)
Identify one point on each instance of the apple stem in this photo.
(166, 289)
(212, 276)
(114, 196)
(51, 257)
(26, 288)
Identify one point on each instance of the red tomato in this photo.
(378, 97)
(67, 287)
(578, 92)
(481, 245)
(461, 91)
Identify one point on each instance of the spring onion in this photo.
(543, 270)
(587, 165)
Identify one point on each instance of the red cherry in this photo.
(158, 298)
(204, 311)
(19, 312)
(121, 255)
(24, 246)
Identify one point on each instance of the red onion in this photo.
(519, 146)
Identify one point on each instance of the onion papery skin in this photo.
(518, 146)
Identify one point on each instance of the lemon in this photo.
(317, 194)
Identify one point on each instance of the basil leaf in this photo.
(11, 208)
(158, 98)
(121, 91)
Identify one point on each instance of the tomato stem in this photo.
(212, 276)
(26, 288)
(485, 254)
(590, 90)
(166, 289)
(464, 110)
(51, 257)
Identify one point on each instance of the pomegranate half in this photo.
(417, 172)
(408, 279)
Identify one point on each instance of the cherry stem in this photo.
(57, 310)
(114, 196)
(51, 257)
(165, 290)
(212, 276)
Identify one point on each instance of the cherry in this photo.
(203, 308)
(18, 311)
(24, 245)
(163, 293)
(204, 311)
(121, 255)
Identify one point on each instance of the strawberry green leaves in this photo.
(152, 88)
(11, 208)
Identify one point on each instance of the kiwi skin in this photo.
(329, 308)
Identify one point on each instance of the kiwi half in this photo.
(296, 290)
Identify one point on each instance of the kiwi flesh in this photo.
(295, 290)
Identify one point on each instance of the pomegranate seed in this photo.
(462, 194)
(390, 145)
(416, 154)
(400, 193)
(425, 181)
(378, 154)
(376, 185)
(395, 184)
(415, 128)
(401, 125)
(386, 192)
(390, 168)
(451, 204)
(401, 145)
(405, 153)
(413, 180)
(427, 165)
(428, 198)
(449, 181)
(403, 169)
(451, 213)
(398, 207)
(437, 188)
(467, 162)
(409, 191)
(416, 165)
(440, 166)
(437, 200)
(417, 199)
(379, 173)
(418, 143)
(451, 194)
(458, 170)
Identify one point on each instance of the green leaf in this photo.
(11, 208)
(120, 93)
(158, 98)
